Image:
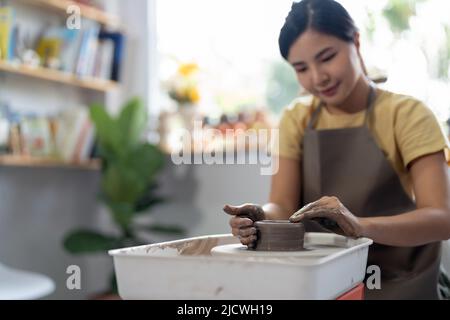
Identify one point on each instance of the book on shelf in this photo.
(104, 59)
(118, 41)
(36, 137)
(84, 140)
(88, 49)
(73, 134)
(7, 18)
(71, 46)
(85, 143)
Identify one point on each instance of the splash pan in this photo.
(219, 267)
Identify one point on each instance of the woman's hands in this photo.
(242, 221)
(331, 208)
(331, 214)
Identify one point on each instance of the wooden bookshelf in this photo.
(59, 76)
(87, 11)
(23, 161)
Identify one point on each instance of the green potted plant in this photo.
(129, 168)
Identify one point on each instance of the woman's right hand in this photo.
(242, 221)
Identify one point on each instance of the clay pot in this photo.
(279, 235)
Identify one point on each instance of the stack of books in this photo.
(68, 136)
(86, 52)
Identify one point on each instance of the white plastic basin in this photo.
(185, 269)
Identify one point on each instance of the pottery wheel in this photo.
(240, 250)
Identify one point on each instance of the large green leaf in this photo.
(122, 184)
(122, 214)
(127, 180)
(131, 122)
(146, 160)
(101, 119)
(83, 241)
(107, 132)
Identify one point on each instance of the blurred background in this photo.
(95, 95)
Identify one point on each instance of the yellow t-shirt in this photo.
(402, 126)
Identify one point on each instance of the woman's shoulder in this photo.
(400, 107)
(396, 101)
(301, 107)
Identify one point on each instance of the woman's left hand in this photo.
(331, 208)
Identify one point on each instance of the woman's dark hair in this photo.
(326, 16)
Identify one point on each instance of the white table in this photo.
(23, 285)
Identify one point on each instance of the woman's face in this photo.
(326, 66)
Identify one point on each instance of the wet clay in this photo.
(279, 235)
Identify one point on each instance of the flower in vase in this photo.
(183, 87)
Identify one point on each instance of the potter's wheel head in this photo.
(239, 250)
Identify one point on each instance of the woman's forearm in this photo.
(413, 228)
(274, 211)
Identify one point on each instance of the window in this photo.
(235, 44)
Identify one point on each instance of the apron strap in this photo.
(370, 101)
(370, 104)
(315, 115)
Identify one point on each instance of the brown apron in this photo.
(348, 164)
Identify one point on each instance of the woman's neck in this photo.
(356, 100)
